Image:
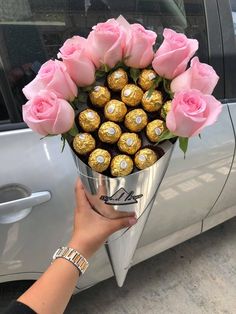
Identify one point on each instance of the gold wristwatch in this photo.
(72, 256)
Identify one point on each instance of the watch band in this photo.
(72, 256)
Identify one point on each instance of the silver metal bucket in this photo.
(113, 197)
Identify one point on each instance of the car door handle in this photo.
(34, 199)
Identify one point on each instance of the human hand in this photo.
(91, 229)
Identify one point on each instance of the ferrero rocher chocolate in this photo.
(84, 143)
(152, 101)
(165, 108)
(144, 158)
(136, 120)
(131, 95)
(129, 143)
(99, 96)
(109, 132)
(146, 79)
(117, 79)
(121, 165)
(155, 129)
(89, 120)
(99, 160)
(115, 110)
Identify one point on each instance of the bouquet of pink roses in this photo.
(112, 97)
(116, 102)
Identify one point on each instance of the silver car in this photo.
(37, 180)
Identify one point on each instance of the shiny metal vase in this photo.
(114, 197)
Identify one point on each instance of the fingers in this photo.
(126, 222)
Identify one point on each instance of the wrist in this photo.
(81, 247)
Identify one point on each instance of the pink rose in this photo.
(76, 58)
(199, 76)
(172, 58)
(52, 76)
(105, 43)
(191, 111)
(138, 50)
(47, 114)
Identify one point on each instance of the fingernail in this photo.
(132, 221)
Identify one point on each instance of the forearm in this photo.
(51, 293)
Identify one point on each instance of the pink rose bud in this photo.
(138, 50)
(76, 58)
(105, 43)
(199, 76)
(47, 114)
(172, 58)
(52, 76)
(191, 111)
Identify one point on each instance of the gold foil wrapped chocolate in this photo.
(109, 132)
(117, 80)
(146, 79)
(129, 143)
(152, 101)
(131, 95)
(165, 109)
(84, 143)
(136, 120)
(145, 158)
(99, 96)
(121, 165)
(99, 160)
(115, 110)
(89, 120)
(154, 130)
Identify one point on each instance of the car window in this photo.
(233, 9)
(4, 117)
(32, 31)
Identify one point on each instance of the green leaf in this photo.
(155, 84)
(82, 97)
(86, 88)
(166, 135)
(166, 85)
(183, 144)
(134, 73)
(73, 131)
(63, 138)
(100, 74)
(48, 135)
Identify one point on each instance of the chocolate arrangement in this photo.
(120, 122)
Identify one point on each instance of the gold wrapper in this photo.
(152, 102)
(146, 79)
(89, 120)
(165, 109)
(131, 95)
(109, 132)
(129, 143)
(145, 158)
(99, 160)
(99, 96)
(84, 143)
(115, 110)
(136, 120)
(117, 80)
(155, 129)
(121, 165)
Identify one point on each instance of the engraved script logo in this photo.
(121, 197)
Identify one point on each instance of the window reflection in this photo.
(233, 8)
(32, 31)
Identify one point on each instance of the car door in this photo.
(36, 179)
(225, 206)
(191, 186)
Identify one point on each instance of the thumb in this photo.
(120, 223)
